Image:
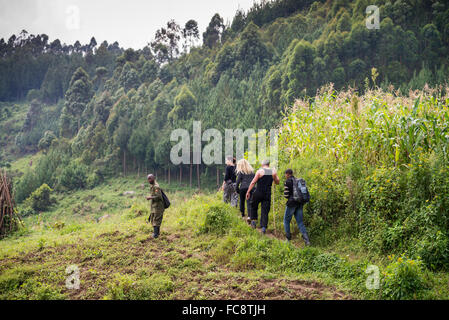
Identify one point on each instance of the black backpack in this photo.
(165, 200)
(300, 191)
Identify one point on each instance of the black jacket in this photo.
(288, 193)
(244, 180)
(229, 174)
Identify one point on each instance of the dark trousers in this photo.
(265, 200)
(242, 193)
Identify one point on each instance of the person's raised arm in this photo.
(252, 184)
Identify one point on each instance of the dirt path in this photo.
(193, 271)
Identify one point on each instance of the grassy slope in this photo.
(118, 258)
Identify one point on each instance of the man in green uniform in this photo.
(157, 205)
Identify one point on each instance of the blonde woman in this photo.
(245, 174)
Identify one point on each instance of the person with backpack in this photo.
(296, 193)
(262, 181)
(158, 205)
(245, 174)
(228, 187)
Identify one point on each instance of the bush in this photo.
(26, 185)
(39, 200)
(217, 220)
(433, 248)
(26, 211)
(73, 176)
(94, 179)
(403, 279)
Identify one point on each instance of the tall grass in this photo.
(377, 167)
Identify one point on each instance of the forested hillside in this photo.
(115, 108)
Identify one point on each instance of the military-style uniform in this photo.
(157, 205)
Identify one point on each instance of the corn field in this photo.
(377, 169)
(382, 127)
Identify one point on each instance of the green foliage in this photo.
(39, 200)
(137, 210)
(46, 140)
(184, 106)
(217, 219)
(19, 284)
(26, 185)
(128, 287)
(73, 176)
(376, 171)
(76, 99)
(403, 279)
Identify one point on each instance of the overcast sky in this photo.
(130, 22)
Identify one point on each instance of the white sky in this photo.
(130, 22)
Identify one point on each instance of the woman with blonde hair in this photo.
(245, 174)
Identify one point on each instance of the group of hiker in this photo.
(244, 187)
(254, 188)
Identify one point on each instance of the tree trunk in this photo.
(124, 162)
(191, 169)
(180, 174)
(198, 176)
(168, 175)
(218, 177)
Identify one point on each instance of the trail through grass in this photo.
(107, 236)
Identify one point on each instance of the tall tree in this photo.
(165, 43)
(76, 99)
(213, 32)
(190, 34)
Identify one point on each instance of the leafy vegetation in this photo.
(378, 170)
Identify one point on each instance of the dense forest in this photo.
(96, 111)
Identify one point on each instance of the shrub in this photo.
(217, 220)
(94, 179)
(26, 211)
(26, 185)
(433, 248)
(403, 279)
(73, 176)
(39, 200)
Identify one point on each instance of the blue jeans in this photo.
(288, 215)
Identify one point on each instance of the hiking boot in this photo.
(306, 239)
(288, 237)
(264, 230)
(156, 232)
(253, 224)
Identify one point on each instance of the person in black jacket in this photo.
(228, 187)
(293, 208)
(245, 174)
(263, 180)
